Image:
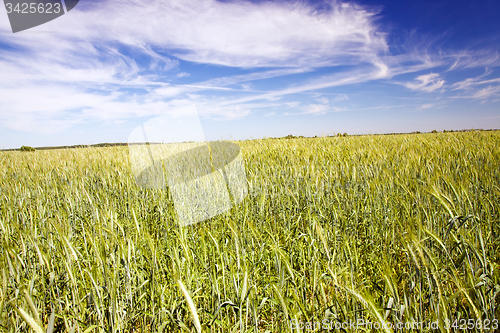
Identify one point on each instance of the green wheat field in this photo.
(383, 229)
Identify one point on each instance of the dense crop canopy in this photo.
(388, 229)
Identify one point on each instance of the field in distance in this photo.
(383, 229)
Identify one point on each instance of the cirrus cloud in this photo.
(428, 83)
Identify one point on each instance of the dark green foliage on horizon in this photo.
(27, 148)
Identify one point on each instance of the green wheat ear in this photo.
(34, 324)
(394, 229)
(192, 307)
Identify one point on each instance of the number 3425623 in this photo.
(32, 8)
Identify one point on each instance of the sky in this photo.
(251, 69)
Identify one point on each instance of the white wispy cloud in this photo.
(473, 59)
(317, 109)
(240, 34)
(234, 79)
(82, 69)
(221, 82)
(471, 82)
(322, 100)
(365, 73)
(427, 82)
(340, 98)
(487, 92)
(472, 86)
(427, 106)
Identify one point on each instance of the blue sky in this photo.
(253, 69)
